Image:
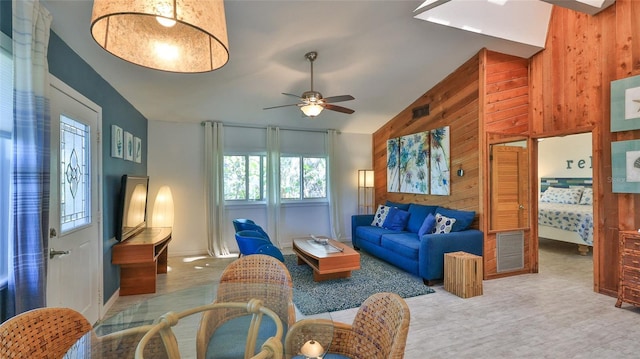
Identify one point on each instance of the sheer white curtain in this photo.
(273, 182)
(335, 214)
(214, 188)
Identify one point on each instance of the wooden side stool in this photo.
(463, 274)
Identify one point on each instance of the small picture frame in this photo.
(128, 146)
(117, 142)
(625, 163)
(137, 150)
(625, 104)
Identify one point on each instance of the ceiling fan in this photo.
(311, 102)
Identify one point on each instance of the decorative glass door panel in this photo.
(75, 180)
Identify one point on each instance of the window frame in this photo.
(6, 46)
(263, 184)
(301, 173)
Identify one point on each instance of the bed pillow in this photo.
(562, 195)
(380, 216)
(396, 219)
(443, 224)
(587, 196)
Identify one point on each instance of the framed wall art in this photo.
(625, 164)
(414, 163)
(440, 161)
(128, 146)
(117, 142)
(625, 104)
(137, 150)
(393, 165)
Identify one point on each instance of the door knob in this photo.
(53, 253)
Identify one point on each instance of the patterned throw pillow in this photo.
(562, 195)
(443, 224)
(587, 196)
(380, 216)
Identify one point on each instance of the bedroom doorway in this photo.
(565, 206)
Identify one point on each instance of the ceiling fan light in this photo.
(311, 110)
(131, 30)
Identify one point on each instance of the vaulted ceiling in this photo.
(377, 51)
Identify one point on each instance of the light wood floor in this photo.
(551, 314)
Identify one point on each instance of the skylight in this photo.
(524, 22)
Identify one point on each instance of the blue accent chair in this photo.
(243, 224)
(254, 242)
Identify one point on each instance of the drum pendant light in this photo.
(170, 35)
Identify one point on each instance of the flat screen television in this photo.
(132, 215)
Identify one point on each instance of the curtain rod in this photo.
(237, 125)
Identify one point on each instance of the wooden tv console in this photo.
(141, 257)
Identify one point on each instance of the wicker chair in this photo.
(42, 333)
(379, 330)
(256, 276)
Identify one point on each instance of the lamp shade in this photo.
(311, 110)
(365, 178)
(169, 35)
(163, 208)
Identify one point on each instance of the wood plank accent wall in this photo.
(488, 92)
(453, 102)
(505, 114)
(570, 93)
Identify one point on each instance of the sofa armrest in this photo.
(359, 220)
(434, 246)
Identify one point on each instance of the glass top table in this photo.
(119, 335)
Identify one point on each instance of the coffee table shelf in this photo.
(327, 261)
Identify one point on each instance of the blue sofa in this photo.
(396, 240)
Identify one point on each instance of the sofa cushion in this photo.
(371, 233)
(402, 206)
(396, 219)
(428, 225)
(463, 218)
(405, 244)
(380, 216)
(418, 213)
(443, 224)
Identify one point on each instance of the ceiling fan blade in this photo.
(293, 104)
(338, 98)
(290, 94)
(338, 108)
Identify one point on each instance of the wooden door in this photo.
(509, 187)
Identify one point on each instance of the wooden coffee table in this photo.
(327, 262)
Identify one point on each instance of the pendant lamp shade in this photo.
(170, 35)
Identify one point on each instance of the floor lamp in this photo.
(365, 191)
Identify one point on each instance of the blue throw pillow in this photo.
(402, 206)
(427, 225)
(418, 213)
(396, 219)
(463, 218)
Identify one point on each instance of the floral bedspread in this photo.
(569, 217)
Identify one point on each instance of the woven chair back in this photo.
(42, 333)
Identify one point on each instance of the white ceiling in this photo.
(374, 50)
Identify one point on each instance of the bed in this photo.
(565, 211)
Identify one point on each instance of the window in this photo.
(245, 177)
(6, 128)
(303, 177)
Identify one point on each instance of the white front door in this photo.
(75, 234)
